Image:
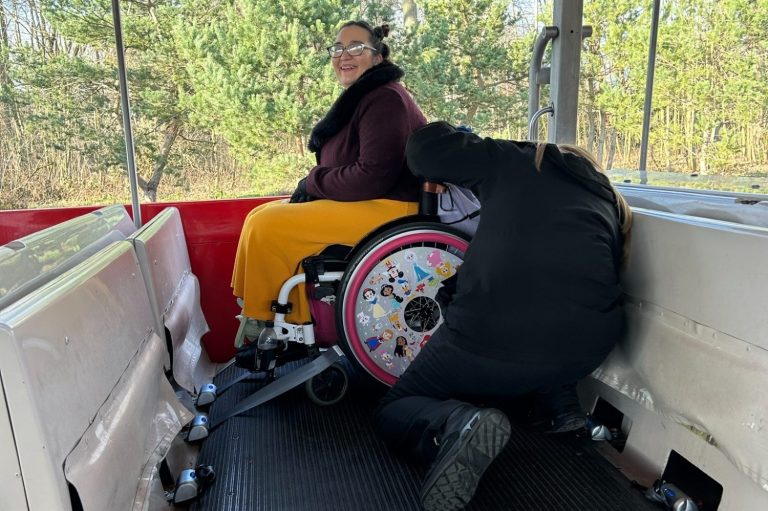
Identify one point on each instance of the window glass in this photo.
(709, 117)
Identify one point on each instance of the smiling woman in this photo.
(361, 173)
(351, 56)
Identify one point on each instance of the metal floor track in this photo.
(290, 454)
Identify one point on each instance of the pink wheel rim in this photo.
(357, 283)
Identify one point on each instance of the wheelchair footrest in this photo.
(283, 384)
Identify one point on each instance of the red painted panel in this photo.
(212, 229)
(17, 223)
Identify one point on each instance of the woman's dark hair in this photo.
(377, 34)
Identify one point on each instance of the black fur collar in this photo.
(341, 111)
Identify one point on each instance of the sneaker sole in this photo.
(452, 485)
(569, 426)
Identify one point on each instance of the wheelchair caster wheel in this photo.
(328, 387)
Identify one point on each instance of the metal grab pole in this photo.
(126, 109)
(533, 124)
(535, 75)
(649, 92)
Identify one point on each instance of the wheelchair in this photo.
(376, 303)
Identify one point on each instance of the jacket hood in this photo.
(582, 171)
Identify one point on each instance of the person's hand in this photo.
(447, 290)
(301, 194)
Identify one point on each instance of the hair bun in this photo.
(381, 31)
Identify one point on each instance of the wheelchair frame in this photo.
(369, 253)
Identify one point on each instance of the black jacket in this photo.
(540, 278)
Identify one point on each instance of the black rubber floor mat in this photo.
(290, 454)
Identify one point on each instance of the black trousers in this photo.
(444, 377)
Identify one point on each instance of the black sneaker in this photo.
(473, 437)
(568, 422)
(556, 411)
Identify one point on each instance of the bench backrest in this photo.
(31, 261)
(82, 371)
(174, 293)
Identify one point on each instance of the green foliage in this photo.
(278, 174)
(70, 100)
(708, 86)
(87, 22)
(615, 60)
(254, 75)
(69, 89)
(258, 71)
(463, 63)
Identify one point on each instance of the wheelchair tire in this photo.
(385, 308)
(328, 387)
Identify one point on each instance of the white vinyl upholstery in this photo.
(174, 293)
(82, 369)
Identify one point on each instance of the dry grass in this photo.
(35, 176)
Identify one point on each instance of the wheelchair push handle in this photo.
(430, 195)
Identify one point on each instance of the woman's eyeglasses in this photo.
(354, 49)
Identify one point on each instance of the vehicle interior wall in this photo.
(691, 374)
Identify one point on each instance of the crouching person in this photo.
(537, 305)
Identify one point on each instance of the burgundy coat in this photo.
(365, 159)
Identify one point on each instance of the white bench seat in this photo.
(174, 293)
(31, 261)
(82, 371)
